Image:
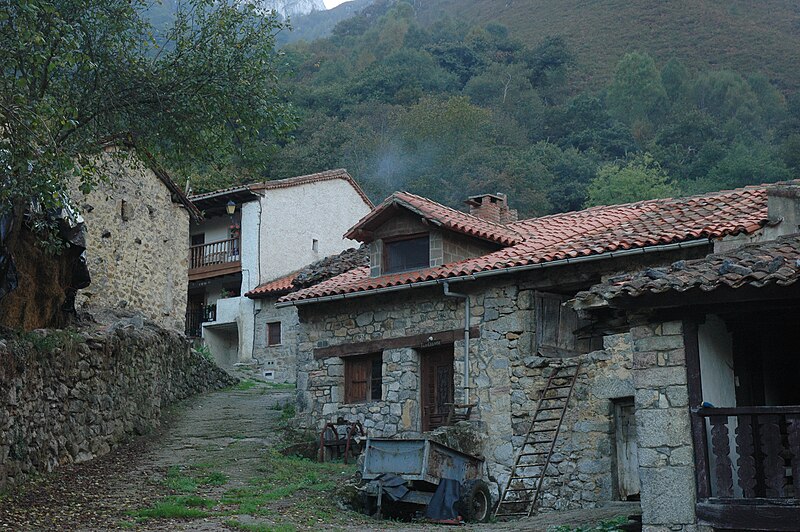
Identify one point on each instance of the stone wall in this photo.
(320, 383)
(666, 457)
(583, 465)
(137, 243)
(69, 396)
(506, 380)
(279, 359)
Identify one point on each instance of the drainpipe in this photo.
(466, 299)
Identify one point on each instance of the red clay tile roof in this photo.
(440, 215)
(582, 233)
(776, 262)
(328, 175)
(280, 285)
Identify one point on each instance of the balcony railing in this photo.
(214, 258)
(758, 448)
(196, 317)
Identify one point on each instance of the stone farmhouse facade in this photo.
(467, 315)
(137, 228)
(715, 369)
(274, 229)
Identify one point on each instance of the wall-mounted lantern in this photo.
(230, 208)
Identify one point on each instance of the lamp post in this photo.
(230, 208)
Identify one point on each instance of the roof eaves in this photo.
(494, 272)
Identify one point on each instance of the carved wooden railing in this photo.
(214, 253)
(765, 460)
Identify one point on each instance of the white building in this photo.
(275, 228)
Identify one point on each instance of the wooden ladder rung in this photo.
(554, 382)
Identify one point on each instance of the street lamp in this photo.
(230, 208)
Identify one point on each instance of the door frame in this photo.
(426, 358)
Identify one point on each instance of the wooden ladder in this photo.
(534, 456)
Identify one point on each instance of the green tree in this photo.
(78, 72)
(641, 178)
(675, 78)
(636, 93)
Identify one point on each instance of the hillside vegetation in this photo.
(560, 105)
(741, 35)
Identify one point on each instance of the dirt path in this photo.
(224, 433)
(212, 466)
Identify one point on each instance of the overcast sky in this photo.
(333, 3)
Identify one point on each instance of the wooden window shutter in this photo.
(274, 333)
(356, 379)
(555, 326)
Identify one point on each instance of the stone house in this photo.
(464, 315)
(276, 328)
(254, 234)
(715, 370)
(137, 226)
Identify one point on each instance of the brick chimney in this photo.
(492, 207)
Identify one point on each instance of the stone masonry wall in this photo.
(69, 396)
(506, 381)
(137, 244)
(666, 457)
(280, 359)
(582, 471)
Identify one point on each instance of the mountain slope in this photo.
(735, 34)
(319, 24)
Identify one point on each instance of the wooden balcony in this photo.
(749, 475)
(215, 259)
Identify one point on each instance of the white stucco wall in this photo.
(250, 248)
(215, 229)
(277, 234)
(295, 216)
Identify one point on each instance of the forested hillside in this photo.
(557, 115)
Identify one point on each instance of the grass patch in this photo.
(306, 490)
(215, 478)
(284, 477)
(244, 385)
(280, 385)
(168, 509)
(259, 528)
(609, 525)
(287, 412)
(177, 480)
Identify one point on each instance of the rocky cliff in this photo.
(292, 8)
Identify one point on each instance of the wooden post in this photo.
(695, 391)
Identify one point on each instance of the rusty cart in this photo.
(410, 471)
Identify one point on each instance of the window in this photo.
(314, 245)
(559, 330)
(274, 333)
(406, 254)
(199, 240)
(363, 378)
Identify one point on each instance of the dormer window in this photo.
(406, 254)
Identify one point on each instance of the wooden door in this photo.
(437, 386)
(627, 457)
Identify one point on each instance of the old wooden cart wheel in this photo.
(475, 501)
